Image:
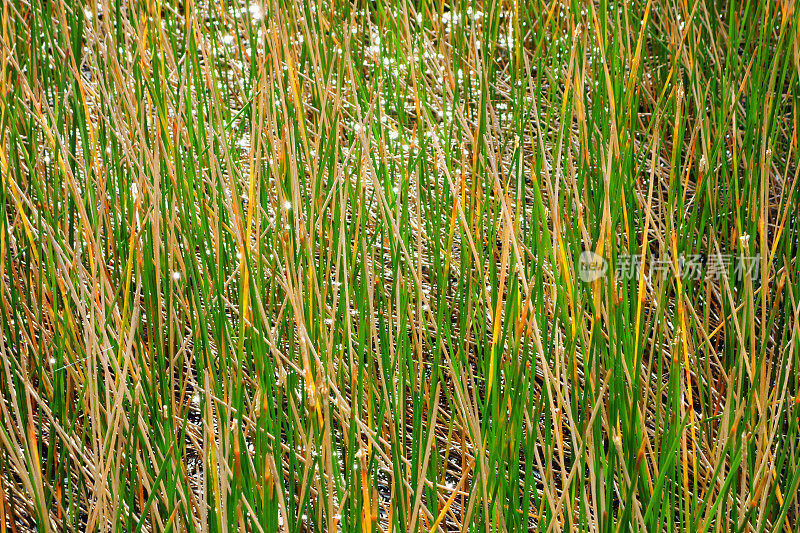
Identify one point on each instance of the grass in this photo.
(315, 266)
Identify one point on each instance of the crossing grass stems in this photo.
(312, 266)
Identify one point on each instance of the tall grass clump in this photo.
(399, 266)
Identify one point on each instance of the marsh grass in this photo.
(309, 266)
